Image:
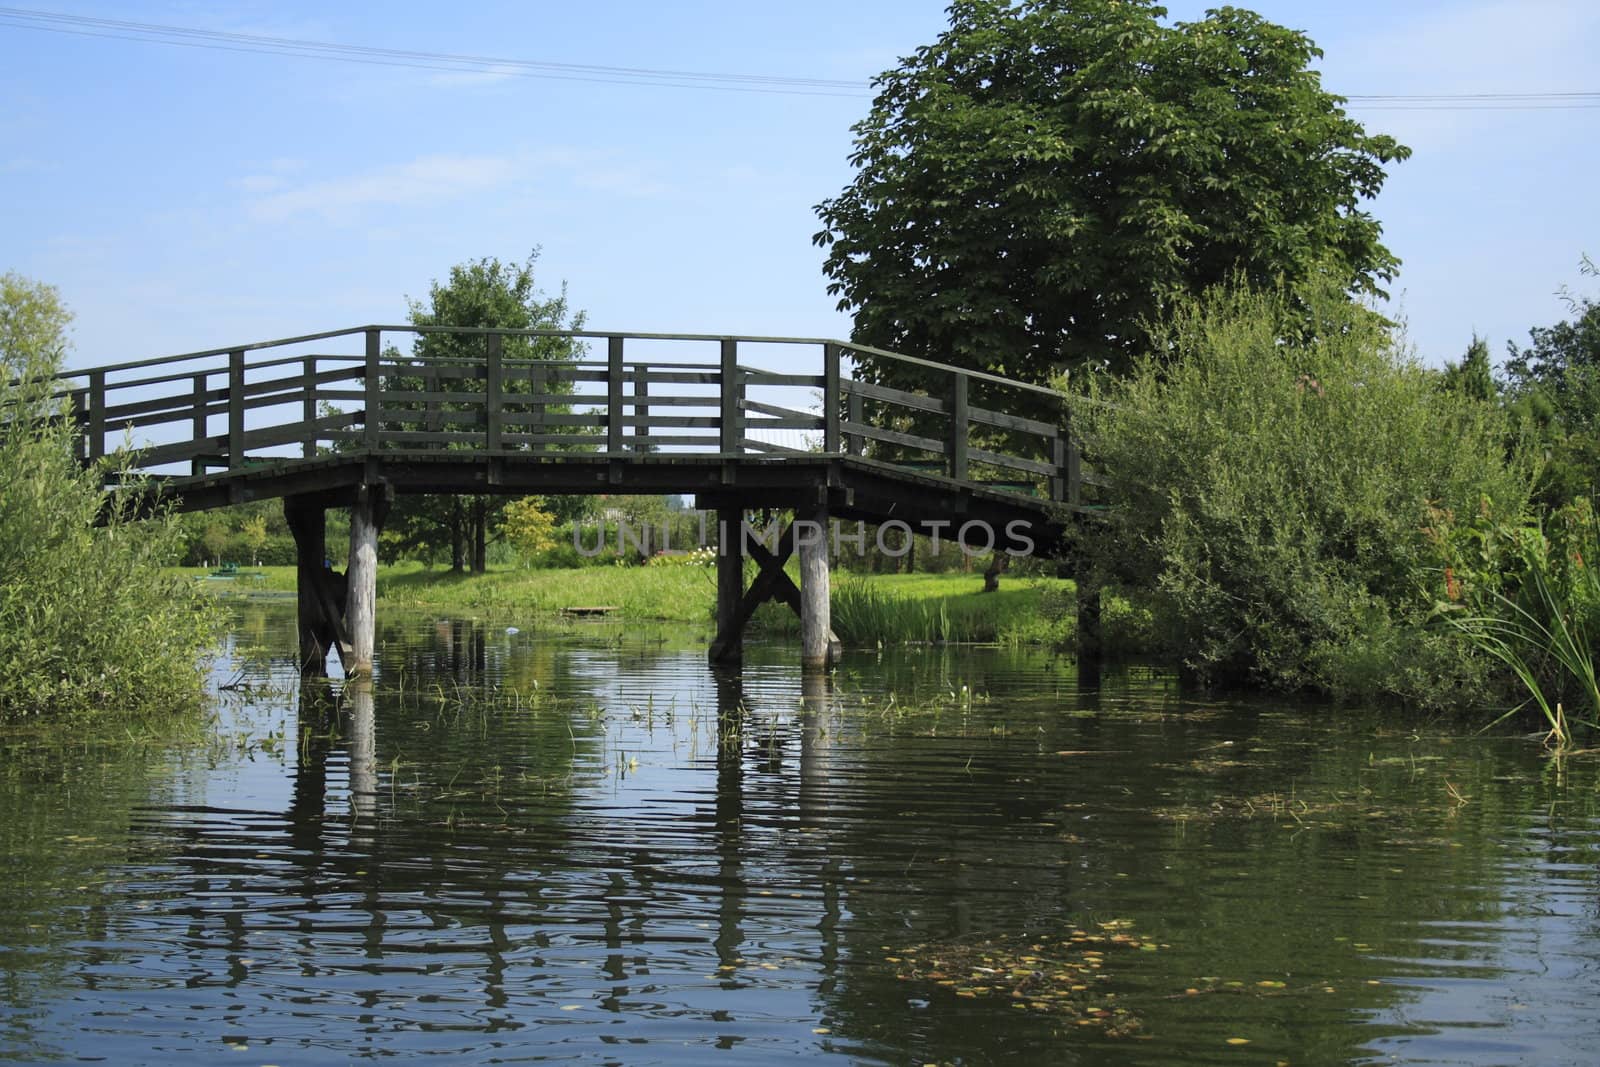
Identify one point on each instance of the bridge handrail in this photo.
(510, 409)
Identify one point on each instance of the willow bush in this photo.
(88, 623)
(1272, 465)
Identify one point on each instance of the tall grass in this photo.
(1543, 637)
(871, 613)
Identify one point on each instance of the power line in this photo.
(459, 63)
(216, 40)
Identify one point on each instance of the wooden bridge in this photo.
(349, 419)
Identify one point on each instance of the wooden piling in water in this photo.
(319, 591)
(728, 647)
(1090, 642)
(816, 630)
(366, 522)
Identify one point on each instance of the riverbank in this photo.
(868, 609)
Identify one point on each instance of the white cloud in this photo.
(490, 75)
(428, 179)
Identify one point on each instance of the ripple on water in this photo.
(528, 846)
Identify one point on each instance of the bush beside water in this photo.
(89, 623)
(1272, 470)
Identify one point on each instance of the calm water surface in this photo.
(585, 846)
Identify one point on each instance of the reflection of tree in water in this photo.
(459, 867)
(69, 813)
(1143, 815)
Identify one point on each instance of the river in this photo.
(579, 843)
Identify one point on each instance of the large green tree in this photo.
(483, 293)
(1047, 178)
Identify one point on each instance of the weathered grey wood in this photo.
(308, 410)
(641, 412)
(958, 427)
(816, 629)
(374, 386)
(236, 398)
(830, 399)
(781, 412)
(197, 427)
(766, 377)
(1091, 648)
(728, 645)
(1003, 421)
(856, 444)
(366, 521)
(615, 377)
(895, 437)
(307, 523)
(493, 387)
(1016, 463)
(915, 401)
(732, 419)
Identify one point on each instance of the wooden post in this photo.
(308, 406)
(958, 428)
(641, 409)
(493, 391)
(1090, 646)
(856, 443)
(830, 399)
(816, 631)
(97, 414)
(731, 424)
(729, 645)
(366, 520)
(311, 549)
(197, 466)
(235, 409)
(614, 401)
(372, 385)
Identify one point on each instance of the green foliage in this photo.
(1527, 594)
(486, 294)
(1553, 386)
(943, 608)
(88, 621)
(1048, 177)
(1269, 495)
(1473, 377)
(529, 528)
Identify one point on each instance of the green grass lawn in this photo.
(867, 609)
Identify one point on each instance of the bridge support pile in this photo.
(337, 612)
(819, 648)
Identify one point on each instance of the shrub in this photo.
(1269, 483)
(88, 622)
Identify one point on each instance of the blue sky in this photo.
(185, 198)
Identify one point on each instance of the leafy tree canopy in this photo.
(483, 293)
(1048, 177)
(1473, 376)
(1561, 361)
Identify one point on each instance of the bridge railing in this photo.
(635, 396)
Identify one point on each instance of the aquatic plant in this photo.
(1543, 634)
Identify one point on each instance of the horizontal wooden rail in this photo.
(241, 407)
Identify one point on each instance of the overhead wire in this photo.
(499, 66)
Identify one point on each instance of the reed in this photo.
(1543, 637)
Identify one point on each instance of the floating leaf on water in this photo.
(1238, 1040)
